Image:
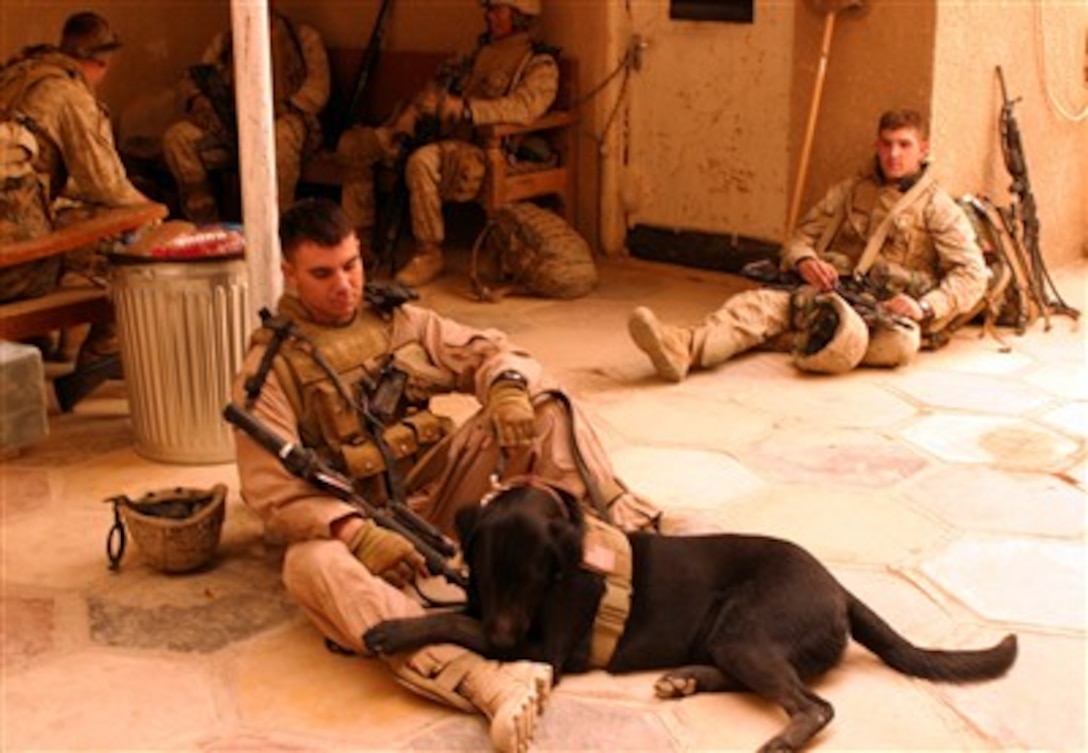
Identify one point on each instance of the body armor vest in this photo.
(497, 67)
(17, 79)
(326, 406)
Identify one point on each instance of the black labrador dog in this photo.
(725, 612)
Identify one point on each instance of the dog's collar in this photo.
(532, 481)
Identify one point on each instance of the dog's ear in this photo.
(465, 522)
(567, 543)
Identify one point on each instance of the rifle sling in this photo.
(876, 240)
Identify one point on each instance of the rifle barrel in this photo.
(301, 462)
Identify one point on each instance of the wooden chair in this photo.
(66, 307)
(511, 182)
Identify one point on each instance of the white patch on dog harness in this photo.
(608, 552)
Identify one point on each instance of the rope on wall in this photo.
(1041, 56)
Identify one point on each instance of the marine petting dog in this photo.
(722, 612)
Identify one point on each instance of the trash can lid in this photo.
(178, 241)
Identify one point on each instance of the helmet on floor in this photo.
(892, 344)
(833, 337)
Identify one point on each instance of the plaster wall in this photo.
(879, 58)
(709, 122)
(1038, 45)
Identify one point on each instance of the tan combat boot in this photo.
(512, 695)
(668, 347)
(426, 265)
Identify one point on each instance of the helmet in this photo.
(177, 530)
(88, 36)
(528, 7)
(892, 344)
(833, 336)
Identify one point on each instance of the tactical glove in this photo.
(386, 554)
(511, 412)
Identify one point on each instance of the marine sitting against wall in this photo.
(887, 260)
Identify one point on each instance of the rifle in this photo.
(449, 80)
(861, 293)
(1024, 212)
(304, 463)
(366, 67)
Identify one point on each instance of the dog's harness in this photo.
(607, 552)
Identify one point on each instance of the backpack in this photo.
(1008, 301)
(528, 249)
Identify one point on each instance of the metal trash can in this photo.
(182, 313)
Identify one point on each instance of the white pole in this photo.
(256, 149)
(612, 222)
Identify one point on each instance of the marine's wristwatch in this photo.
(511, 376)
(927, 310)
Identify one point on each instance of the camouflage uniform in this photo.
(508, 81)
(444, 470)
(300, 80)
(929, 253)
(55, 138)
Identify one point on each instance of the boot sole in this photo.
(647, 336)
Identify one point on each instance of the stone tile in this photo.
(846, 401)
(102, 700)
(924, 617)
(129, 474)
(694, 485)
(289, 682)
(238, 595)
(1039, 704)
(985, 499)
(842, 526)
(971, 392)
(1003, 442)
(578, 724)
(1026, 581)
(1061, 379)
(26, 629)
(23, 492)
(663, 417)
(1071, 419)
(968, 354)
(879, 709)
(840, 457)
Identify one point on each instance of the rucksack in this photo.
(1008, 301)
(525, 248)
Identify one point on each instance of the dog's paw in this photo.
(675, 686)
(384, 638)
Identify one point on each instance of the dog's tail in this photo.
(868, 629)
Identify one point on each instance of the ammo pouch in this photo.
(407, 441)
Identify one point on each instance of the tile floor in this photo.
(949, 495)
